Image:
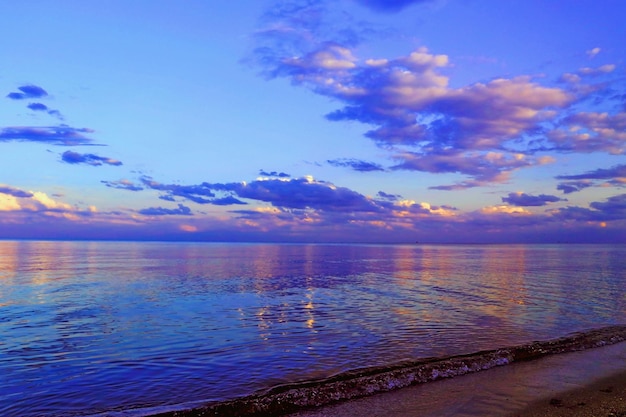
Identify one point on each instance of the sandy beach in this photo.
(585, 383)
(605, 397)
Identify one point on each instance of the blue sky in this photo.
(314, 121)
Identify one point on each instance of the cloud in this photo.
(14, 192)
(88, 159)
(274, 174)
(355, 164)
(526, 200)
(302, 193)
(426, 124)
(291, 193)
(613, 209)
(55, 135)
(28, 91)
(15, 202)
(614, 176)
(594, 72)
(123, 185)
(618, 171)
(573, 186)
(386, 196)
(37, 107)
(227, 201)
(160, 211)
(390, 5)
(483, 167)
(588, 132)
(593, 52)
(44, 108)
(196, 193)
(293, 28)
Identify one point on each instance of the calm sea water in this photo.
(95, 327)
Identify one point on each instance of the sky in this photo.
(466, 121)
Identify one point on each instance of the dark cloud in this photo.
(463, 185)
(390, 5)
(386, 196)
(37, 107)
(43, 107)
(160, 211)
(614, 208)
(196, 193)
(55, 135)
(227, 201)
(614, 176)
(355, 164)
(484, 167)
(573, 186)
(28, 91)
(527, 200)
(123, 185)
(5, 189)
(88, 159)
(274, 174)
(300, 193)
(56, 114)
(618, 171)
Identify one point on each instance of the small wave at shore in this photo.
(367, 381)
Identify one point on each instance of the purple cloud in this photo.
(614, 208)
(294, 193)
(37, 107)
(527, 200)
(196, 193)
(573, 186)
(386, 196)
(227, 201)
(88, 159)
(355, 164)
(274, 174)
(588, 132)
(55, 135)
(390, 5)
(302, 193)
(618, 171)
(5, 189)
(424, 122)
(122, 185)
(160, 211)
(427, 125)
(28, 91)
(43, 107)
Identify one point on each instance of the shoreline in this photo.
(589, 383)
(361, 384)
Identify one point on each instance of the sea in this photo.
(130, 328)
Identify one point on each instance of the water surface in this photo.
(90, 327)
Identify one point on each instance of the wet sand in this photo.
(606, 397)
(585, 383)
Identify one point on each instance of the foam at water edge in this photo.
(368, 381)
